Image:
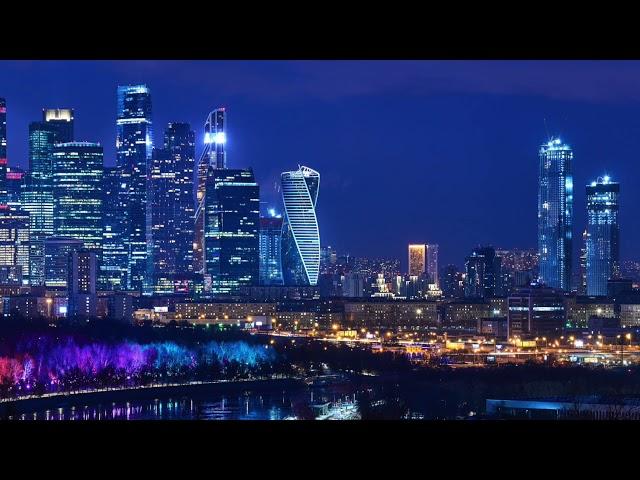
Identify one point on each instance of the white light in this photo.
(220, 137)
(606, 179)
(593, 184)
(272, 212)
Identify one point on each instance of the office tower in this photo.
(232, 223)
(300, 231)
(113, 274)
(60, 120)
(15, 181)
(133, 155)
(353, 285)
(432, 264)
(213, 156)
(417, 259)
(483, 273)
(271, 249)
(3, 152)
(81, 285)
(582, 287)
(14, 241)
(56, 260)
(603, 240)
(555, 214)
(36, 196)
(179, 141)
(452, 282)
(77, 192)
(163, 232)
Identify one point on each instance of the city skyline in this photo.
(259, 126)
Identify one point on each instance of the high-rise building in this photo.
(82, 284)
(133, 155)
(417, 259)
(15, 181)
(555, 214)
(213, 156)
(61, 122)
(57, 251)
(535, 311)
(452, 282)
(582, 287)
(271, 249)
(432, 264)
(300, 231)
(14, 241)
(483, 277)
(603, 241)
(3, 152)
(232, 223)
(77, 192)
(113, 274)
(163, 232)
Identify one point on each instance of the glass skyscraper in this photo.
(555, 214)
(114, 254)
(60, 120)
(300, 231)
(3, 153)
(134, 145)
(77, 192)
(213, 156)
(15, 180)
(483, 274)
(232, 217)
(603, 238)
(270, 249)
(14, 241)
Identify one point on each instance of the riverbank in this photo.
(63, 400)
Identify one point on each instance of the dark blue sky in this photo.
(434, 151)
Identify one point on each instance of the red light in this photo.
(3, 161)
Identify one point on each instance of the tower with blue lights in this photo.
(3, 152)
(603, 234)
(271, 249)
(555, 214)
(133, 155)
(300, 231)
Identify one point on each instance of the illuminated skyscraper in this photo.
(134, 146)
(417, 259)
(14, 241)
(232, 217)
(15, 181)
(271, 249)
(555, 214)
(582, 288)
(77, 192)
(3, 152)
(213, 156)
(483, 277)
(81, 285)
(60, 120)
(300, 231)
(57, 251)
(114, 254)
(432, 264)
(603, 240)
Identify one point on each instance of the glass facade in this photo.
(114, 254)
(432, 264)
(15, 181)
(134, 145)
(60, 120)
(270, 250)
(483, 274)
(3, 153)
(213, 156)
(232, 216)
(603, 235)
(56, 264)
(300, 231)
(555, 214)
(77, 192)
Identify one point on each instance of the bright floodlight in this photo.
(220, 137)
(272, 212)
(606, 179)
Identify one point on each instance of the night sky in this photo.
(436, 151)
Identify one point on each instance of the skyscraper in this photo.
(77, 192)
(232, 217)
(81, 285)
(555, 214)
(417, 259)
(15, 181)
(36, 196)
(60, 120)
(113, 276)
(271, 249)
(3, 152)
(14, 241)
(603, 240)
(432, 264)
(300, 231)
(133, 155)
(213, 156)
(483, 274)
(56, 260)
(582, 288)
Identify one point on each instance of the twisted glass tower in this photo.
(300, 232)
(555, 214)
(603, 235)
(213, 156)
